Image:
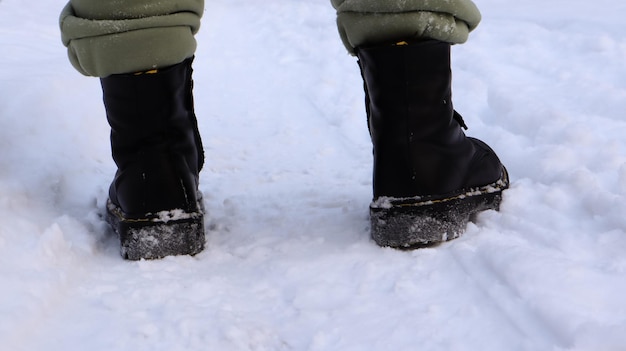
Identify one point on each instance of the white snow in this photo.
(289, 263)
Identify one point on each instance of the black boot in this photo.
(429, 178)
(154, 204)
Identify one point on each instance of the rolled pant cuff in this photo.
(104, 47)
(363, 29)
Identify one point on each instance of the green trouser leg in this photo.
(106, 37)
(370, 22)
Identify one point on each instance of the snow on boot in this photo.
(154, 204)
(429, 178)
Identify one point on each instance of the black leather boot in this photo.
(429, 178)
(154, 204)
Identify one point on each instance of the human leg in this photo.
(429, 178)
(143, 56)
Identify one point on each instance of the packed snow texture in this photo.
(289, 263)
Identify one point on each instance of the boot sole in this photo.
(154, 236)
(409, 223)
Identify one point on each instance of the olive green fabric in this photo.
(106, 37)
(371, 22)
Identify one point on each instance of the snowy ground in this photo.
(289, 263)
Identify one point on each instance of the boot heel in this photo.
(155, 236)
(408, 223)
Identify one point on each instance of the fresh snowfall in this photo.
(289, 263)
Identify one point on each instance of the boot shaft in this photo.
(153, 113)
(419, 146)
(154, 140)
